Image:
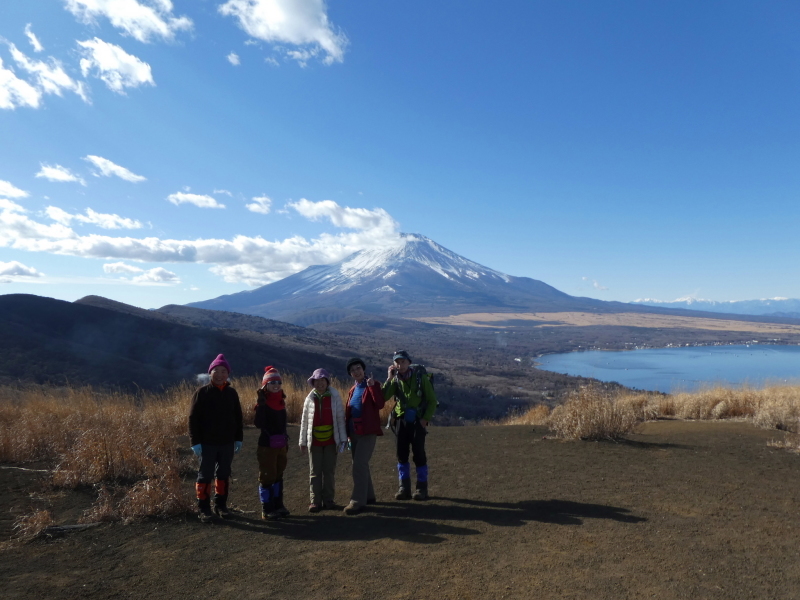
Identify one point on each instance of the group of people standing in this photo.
(328, 427)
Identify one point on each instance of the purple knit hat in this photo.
(319, 374)
(219, 361)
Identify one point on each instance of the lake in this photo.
(683, 369)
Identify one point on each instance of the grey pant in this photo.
(362, 448)
(322, 469)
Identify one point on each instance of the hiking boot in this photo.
(372, 500)
(277, 495)
(266, 508)
(314, 507)
(329, 505)
(222, 511)
(421, 493)
(353, 508)
(404, 493)
(204, 509)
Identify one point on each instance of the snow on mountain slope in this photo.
(764, 306)
(413, 277)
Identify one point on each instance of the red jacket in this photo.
(371, 404)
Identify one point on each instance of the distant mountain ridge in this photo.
(776, 307)
(415, 277)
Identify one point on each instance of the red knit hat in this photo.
(270, 374)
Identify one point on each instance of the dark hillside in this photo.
(52, 341)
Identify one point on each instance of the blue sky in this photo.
(617, 150)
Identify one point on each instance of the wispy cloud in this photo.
(59, 174)
(233, 58)
(106, 168)
(200, 200)
(595, 284)
(142, 20)
(260, 204)
(112, 65)
(49, 77)
(9, 190)
(343, 216)
(302, 23)
(16, 92)
(252, 260)
(34, 41)
(226, 192)
(102, 220)
(158, 275)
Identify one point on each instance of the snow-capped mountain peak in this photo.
(386, 263)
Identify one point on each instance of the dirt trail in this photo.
(682, 510)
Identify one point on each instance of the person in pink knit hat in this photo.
(273, 444)
(215, 434)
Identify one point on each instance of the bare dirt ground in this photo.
(681, 510)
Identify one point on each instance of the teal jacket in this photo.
(409, 396)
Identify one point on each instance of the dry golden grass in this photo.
(536, 415)
(591, 413)
(31, 526)
(125, 444)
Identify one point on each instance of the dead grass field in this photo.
(583, 319)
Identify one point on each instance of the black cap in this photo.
(355, 361)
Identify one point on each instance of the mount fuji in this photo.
(413, 278)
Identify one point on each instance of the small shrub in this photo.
(535, 415)
(593, 414)
(31, 526)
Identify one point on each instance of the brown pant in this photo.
(271, 464)
(362, 448)
(322, 477)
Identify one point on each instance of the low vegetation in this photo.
(132, 448)
(594, 413)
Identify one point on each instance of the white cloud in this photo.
(271, 61)
(59, 174)
(197, 199)
(226, 192)
(260, 204)
(17, 269)
(11, 207)
(35, 43)
(142, 20)
(49, 77)
(342, 216)
(10, 191)
(107, 168)
(233, 58)
(595, 284)
(302, 23)
(120, 268)
(115, 67)
(102, 220)
(16, 92)
(158, 275)
(252, 260)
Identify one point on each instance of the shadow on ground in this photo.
(423, 523)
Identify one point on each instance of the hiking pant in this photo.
(271, 464)
(215, 462)
(362, 447)
(413, 435)
(322, 473)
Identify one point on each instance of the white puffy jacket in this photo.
(306, 436)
